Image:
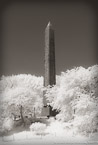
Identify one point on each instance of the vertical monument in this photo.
(49, 56)
(50, 77)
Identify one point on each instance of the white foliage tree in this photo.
(76, 97)
(20, 95)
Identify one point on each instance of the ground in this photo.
(54, 134)
(24, 138)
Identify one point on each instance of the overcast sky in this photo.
(23, 36)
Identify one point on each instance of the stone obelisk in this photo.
(49, 62)
(49, 56)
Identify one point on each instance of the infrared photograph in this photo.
(48, 72)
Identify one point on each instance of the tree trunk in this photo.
(21, 115)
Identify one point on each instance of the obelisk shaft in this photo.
(49, 62)
(49, 56)
(50, 77)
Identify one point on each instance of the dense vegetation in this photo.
(75, 96)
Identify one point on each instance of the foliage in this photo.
(38, 128)
(76, 97)
(8, 124)
(20, 95)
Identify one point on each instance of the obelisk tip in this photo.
(49, 24)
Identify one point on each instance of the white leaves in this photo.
(24, 90)
(38, 127)
(76, 96)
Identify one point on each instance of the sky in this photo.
(23, 30)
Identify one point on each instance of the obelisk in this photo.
(49, 62)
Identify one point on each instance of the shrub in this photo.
(86, 124)
(8, 125)
(38, 128)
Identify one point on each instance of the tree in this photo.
(19, 95)
(76, 96)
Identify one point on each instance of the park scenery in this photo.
(74, 97)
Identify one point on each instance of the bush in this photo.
(8, 125)
(76, 97)
(86, 124)
(64, 118)
(38, 128)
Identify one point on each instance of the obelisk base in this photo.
(45, 111)
(48, 112)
